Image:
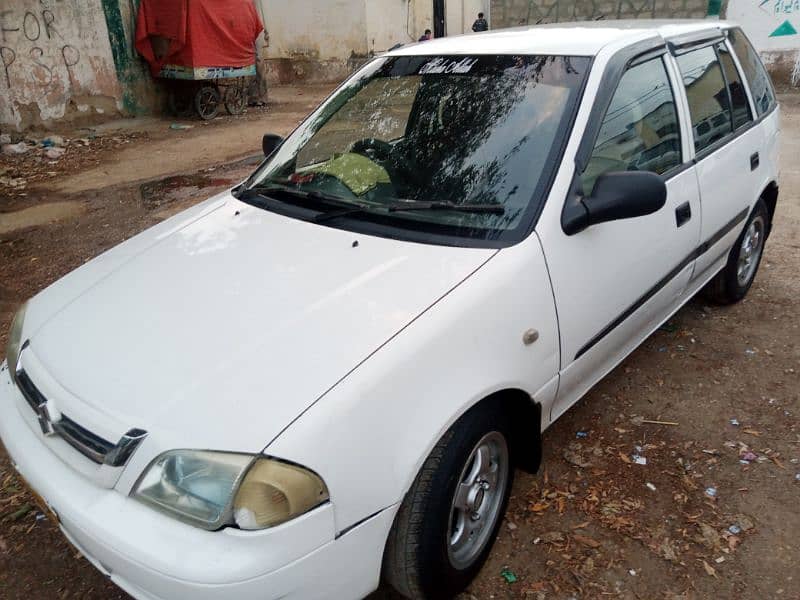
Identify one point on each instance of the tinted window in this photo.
(640, 130)
(739, 103)
(707, 95)
(754, 72)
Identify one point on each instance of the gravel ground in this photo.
(711, 402)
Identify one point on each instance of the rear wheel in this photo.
(732, 283)
(235, 99)
(445, 527)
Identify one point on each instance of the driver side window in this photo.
(380, 110)
(640, 131)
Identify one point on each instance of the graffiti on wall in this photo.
(40, 30)
(781, 9)
(54, 58)
(772, 26)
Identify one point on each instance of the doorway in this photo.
(438, 18)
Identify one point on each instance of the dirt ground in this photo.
(710, 402)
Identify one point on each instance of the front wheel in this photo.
(206, 102)
(450, 517)
(732, 283)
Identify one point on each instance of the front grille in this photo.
(29, 391)
(84, 441)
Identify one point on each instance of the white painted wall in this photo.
(423, 16)
(53, 54)
(461, 14)
(761, 21)
(774, 28)
(454, 17)
(330, 30)
(390, 22)
(333, 30)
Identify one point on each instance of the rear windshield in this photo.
(466, 131)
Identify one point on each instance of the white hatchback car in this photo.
(326, 376)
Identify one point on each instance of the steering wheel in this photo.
(372, 148)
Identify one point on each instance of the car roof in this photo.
(582, 38)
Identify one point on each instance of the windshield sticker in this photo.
(448, 65)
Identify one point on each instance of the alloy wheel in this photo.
(478, 499)
(750, 251)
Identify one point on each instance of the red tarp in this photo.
(197, 33)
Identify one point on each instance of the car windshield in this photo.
(462, 147)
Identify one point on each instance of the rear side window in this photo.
(707, 95)
(738, 97)
(640, 129)
(754, 72)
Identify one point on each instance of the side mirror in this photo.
(270, 143)
(621, 195)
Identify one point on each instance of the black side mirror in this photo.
(621, 195)
(269, 143)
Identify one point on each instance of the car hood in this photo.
(223, 331)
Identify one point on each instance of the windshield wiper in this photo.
(291, 192)
(347, 208)
(352, 208)
(408, 205)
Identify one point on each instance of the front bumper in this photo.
(152, 556)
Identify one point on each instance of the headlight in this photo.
(15, 341)
(215, 489)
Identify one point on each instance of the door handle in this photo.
(683, 214)
(754, 161)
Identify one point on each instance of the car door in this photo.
(727, 148)
(615, 282)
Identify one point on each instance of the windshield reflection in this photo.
(460, 131)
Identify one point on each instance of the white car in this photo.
(325, 376)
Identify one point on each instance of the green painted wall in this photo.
(139, 92)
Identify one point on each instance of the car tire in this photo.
(732, 283)
(449, 519)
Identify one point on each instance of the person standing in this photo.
(427, 36)
(480, 24)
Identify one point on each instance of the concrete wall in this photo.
(55, 61)
(67, 59)
(390, 22)
(140, 93)
(324, 41)
(461, 14)
(312, 40)
(510, 13)
(773, 28)
(422, 11)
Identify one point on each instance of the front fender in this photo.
(369, 435)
